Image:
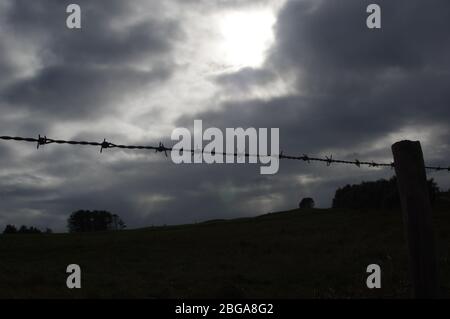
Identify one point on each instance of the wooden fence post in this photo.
(416, 207)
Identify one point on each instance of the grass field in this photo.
(294, 254)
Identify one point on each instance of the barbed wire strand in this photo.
(40, 141)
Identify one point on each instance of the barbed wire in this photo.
(40, 141)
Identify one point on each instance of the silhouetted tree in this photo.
(306, 202)
(86, 221)
(23, 229)
(10, 229)
(381, 194)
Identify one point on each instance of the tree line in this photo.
(380, 194)
(78, 222)
(12, 229)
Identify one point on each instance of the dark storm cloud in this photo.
(83, 70)
(5, 65)
(71, 91)
(356, 84)
(330, 36)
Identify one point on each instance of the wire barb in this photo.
(329, 160)
(104, 145)
(41, 141)
(306, 158)
(161, 148)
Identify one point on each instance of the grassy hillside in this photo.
(294, 254)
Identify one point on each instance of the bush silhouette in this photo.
(306, 203)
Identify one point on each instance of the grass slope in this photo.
(294, 254)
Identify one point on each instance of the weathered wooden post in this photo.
(416, 207)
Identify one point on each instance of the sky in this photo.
(138, 69)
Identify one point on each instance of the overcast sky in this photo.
(138, 69)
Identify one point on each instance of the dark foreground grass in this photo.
(295, 254)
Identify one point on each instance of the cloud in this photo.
(348, 91)
(353, 87)
(245, 79)
(89, 70)
(70, 92)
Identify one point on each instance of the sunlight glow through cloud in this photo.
(246, 36)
